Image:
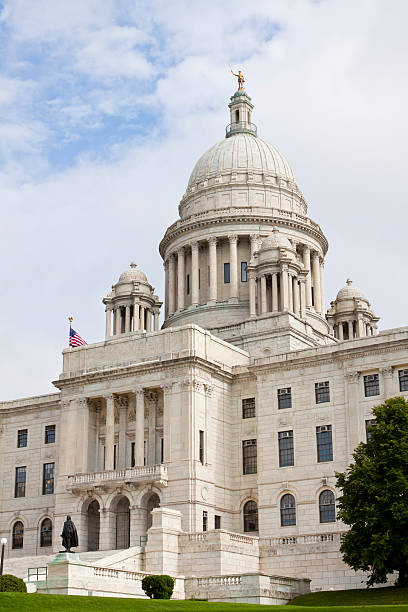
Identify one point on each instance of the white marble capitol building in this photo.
(207, 449)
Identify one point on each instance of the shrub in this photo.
(158, 587)
(8, 582)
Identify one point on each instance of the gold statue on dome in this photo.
(241, 79)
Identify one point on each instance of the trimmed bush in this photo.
(158, 587)
(8, 582)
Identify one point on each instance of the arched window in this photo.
(46, 533)
(18, 535)
(251, 516)
(327, 509)
(288, 510)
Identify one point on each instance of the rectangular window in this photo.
(208, 275)
(248, 408)
(22, 437)
(368, 427)
(115, 455)
(226, 273)
(371, 385)
(322, 392)
(49, 434)
(132, 454)
(249, 456)
(286, 449)
(20, 484)
(403, 380)
(205, 520)
(284, 398)
(244, 272)
(199, 278)
(161, 450)
(217, 521)
(201, 447)
(48, 479)
(144, 452)
(188, 284)
(324, 443)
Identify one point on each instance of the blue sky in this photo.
(106, 105)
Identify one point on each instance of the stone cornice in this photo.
(31, 403)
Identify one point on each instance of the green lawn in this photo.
(320, 602)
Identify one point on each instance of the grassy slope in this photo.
(19, 602)
(355, 597)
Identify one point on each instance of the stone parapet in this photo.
(140, 475)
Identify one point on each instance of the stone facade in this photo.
(208, 449)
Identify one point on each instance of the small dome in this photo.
(131, 275)
(275, 241)
(350, 292)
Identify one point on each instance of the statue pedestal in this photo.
(66, 575)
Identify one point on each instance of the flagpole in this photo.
(70, 319)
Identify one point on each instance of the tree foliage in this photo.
(8, 582)
(374, 500)
(158, 587)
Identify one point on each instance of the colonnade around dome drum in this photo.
(195, 277)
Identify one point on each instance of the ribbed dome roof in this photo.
(276, 240)
(241, 152)
(132, 275)
(349, 292)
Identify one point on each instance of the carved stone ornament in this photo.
(208, 389)
(352, 377)
(151, 395)
(167, 387)
(122, 401)
(386, 371)
(139, 392)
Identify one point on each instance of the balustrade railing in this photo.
(140, 473)
(241, 126)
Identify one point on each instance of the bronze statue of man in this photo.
(241, 79)
(69, 535)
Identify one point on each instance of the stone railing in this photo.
(118, 574)
(218, 581)
(140, 474)
(314, 538)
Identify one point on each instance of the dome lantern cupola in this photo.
(133, 303)
(350, 315)
(241, 115)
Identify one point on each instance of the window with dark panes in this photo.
(20, 483)
(217, 521)
(205, 520)
(49, 434)
(249, 456)
(22, 438)
(161, 450)
(327, 510)
(403, 380)
(369, 424)
(132, 454)
(248, 408)
(17, 540)
(48, 479)
(371, 385)
(322, 392)
(284, 398)
(288, 510)
(46, 533)
(226, 273)
(286, 448)
(201, 447)
(250, 516)
(188, 284)
(244, 277)
(324, 443)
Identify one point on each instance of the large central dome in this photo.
(242, 152)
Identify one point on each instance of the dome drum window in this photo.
(327, 510)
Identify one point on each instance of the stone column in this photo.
(148, 320)
(118, 328)
(156, 320)
(303, 298)
(275, 297)
(290, 291)
(350, 329)
(360, 328)
(123, 417)
(108, 322)
(252, 293)
(127, 320)
(110, 431)
(340, 330)
(308, 287)
(353, 426)
(316, 282)
(167, 421)
(142, 317)
(180, 278)
(233, 240)
(136, 316)
(254, 244)
(172, 285)
(166, 288)
(139, 427)
(322, 304)
(195, 297)
(264, 306)
(212, 256)
(296, 300)
(284, 288)
(152, 399)
(386, 374)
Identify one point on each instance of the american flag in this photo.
(75, 339)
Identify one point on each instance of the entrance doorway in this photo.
(93, 525)
(123, 523)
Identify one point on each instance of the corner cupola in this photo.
(240, 115)
(350, 314)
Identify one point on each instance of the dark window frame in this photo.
(49, 434)
(403, 380)
(327, 507)
(249, 456)
(287, 507)
(322, 392)
(227, 273)
(205, 520)
(217, 521)
(201, 446)
(46, 533)
(248, 407)
(188, 284)
(250, 516)
(369, 423)
(17, 537)
(285, 398)
(286, 448)
(22, 438)
(324, 443)
(244, 274)
(48, 478)
(371, 385)
(20, 481)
